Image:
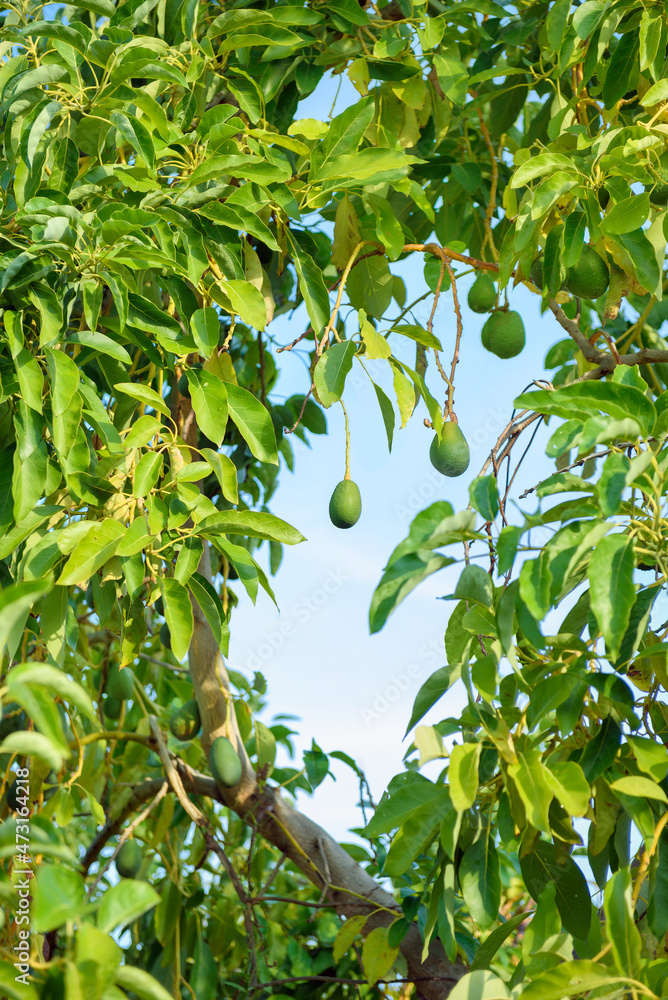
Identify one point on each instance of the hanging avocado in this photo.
(128, 860)
(185, 723)
(225, 763)
(451, 455)
(345, 505)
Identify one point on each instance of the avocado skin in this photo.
(482, 294)
(128, 860)
(503, 334)
(589, 278)
(345, 505)
(112, 707)
(119, 683)
(450, 456)
(225, 763)
(165, 636)
(11, 720)
(185, 723)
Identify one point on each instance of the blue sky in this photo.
(352, 691)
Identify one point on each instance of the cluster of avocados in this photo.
(503, 333)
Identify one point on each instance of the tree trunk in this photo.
(317, 855)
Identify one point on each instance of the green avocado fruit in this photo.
(185, 723)
(225, 763)
(450, 456)
(482, 294)
(128, 860)
(119, 683)
(658, 194)
(345, 505)
(503, 333)
(589, 278)
(536, 274)
(112, 707)
(12, 720)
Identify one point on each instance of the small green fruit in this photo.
(503, 334)
(345, 505)
(451, 455)
(119, 683)
(128, 860)
(225, 763)
(185, 723)
(165, 636)
(537, 271)
(482, 294)
(112, 707)
(589, 278)
(12, 720)
(658, 195)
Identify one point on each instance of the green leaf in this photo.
(210, 402)
(474, 584)
(347, 934)
(311, 286)
(369, 286)
(431, 691)
(375, 345)
(58, 896)
(143, 394)
(12, 988)
(540, 867)
(626, 215)
(331, 371)
(612, 593)
(479, 985)
(417, 833)
(136, 133)
(33, 745)
(97, 546)
(463, 774)
(569, 785)
(640, 258)
(612, 483)
(387, 413)
(100, 344)
(480, 881)
(140, 982)
(225, 472)
(253, 523)
(556, 23)
(484, 496)
(347, 129)
(253, 422)
(41, 674)
(30, 379)
(178, 615)
(377, 955)
(398, 581)
(493, 942)
(640, 787)
(394, 809)
(16, 600)
(532, 784)
(205, 327)
(209, 602)
(620, 69)
(124, 902)
(420, 335)
(247, 301)
(147, 472)
(620, 928)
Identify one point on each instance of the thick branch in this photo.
(606, 362)
(317, 855)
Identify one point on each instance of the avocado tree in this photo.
(162, 201)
